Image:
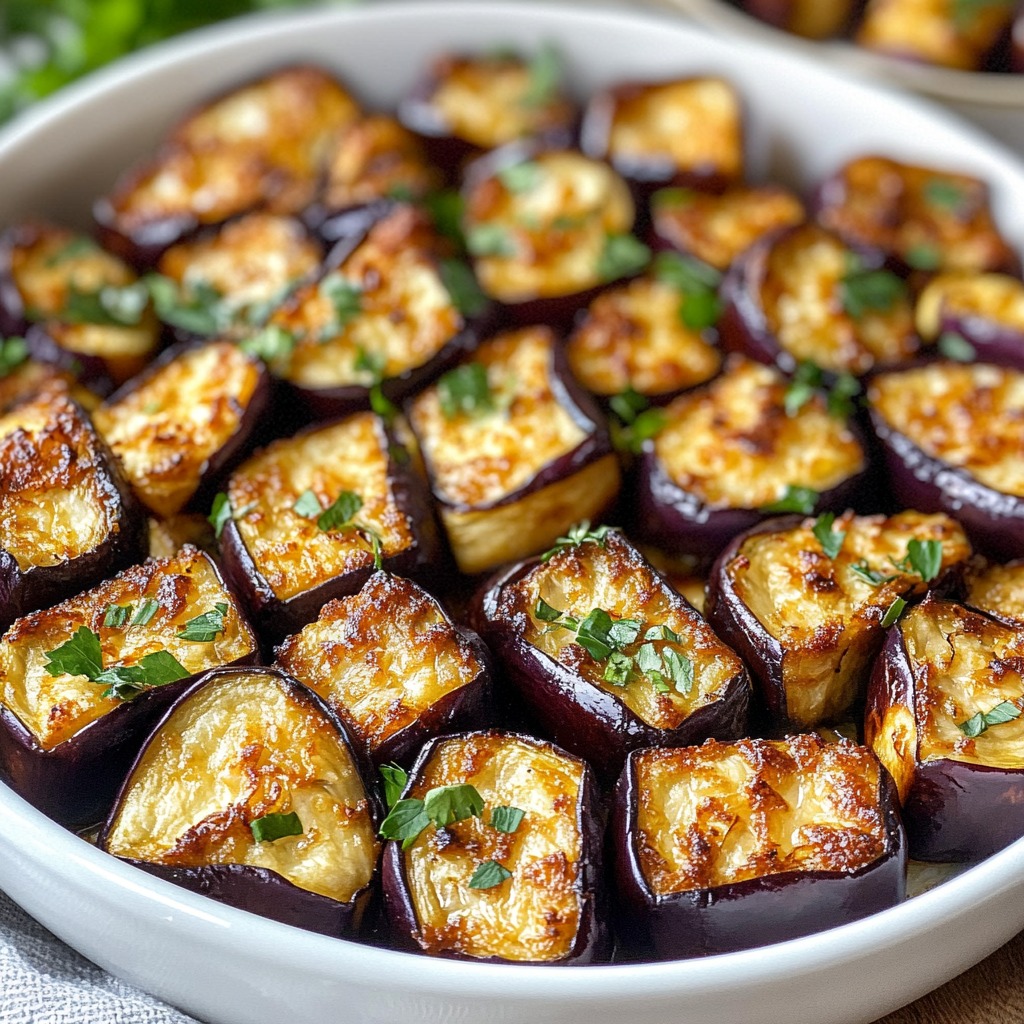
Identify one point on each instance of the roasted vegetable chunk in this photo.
(515, 452)
(806, 602)
(249, 792)
(608, 656)
(811, 19)
(731, 845)
(83, 682)
(506, 863)
(996, 590)
(944, 716)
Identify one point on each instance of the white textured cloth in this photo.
(43, 981)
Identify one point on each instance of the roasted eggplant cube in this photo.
(68, 519)
(952, 436)
(729, 456)
(683, 132)
(394, 667)
(997, 590)
(249, 792)
(508, 867)
(260, 146)
(716, 227)
(226, 281)
(84, 682)
(921, 218)
(944, 716)
(75, 303)
(729, 846)
(801, 295)
(387, 316)
(181, 425)
(547, 230)
(635, 338)
(811, 19)
(806, 602)
(308, 517)
(608, 657)
(516, 453)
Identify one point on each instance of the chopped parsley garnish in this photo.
(198, 309)
(923, 557)
(956, 347)
(580, 533)
(794, 499)
(621, 256)
(871, 576)
(369, 362)
(147, 608)
(441, 806)
(272, 343)
(809, 378)
(79, 656)
(446, 209)
(636, 421)
(463, 288)
(923, 257)
(307, 505)
(841, 395)
(831, 540)
(272, 827)
(205, 628)
(1007, 711)
(109, 306)
(893, 612)
(382, 405)
(340, 512)
(489, 874)
(221, 513)
(339, 515)
(668, 198)
(871, 291)
(465, 391)
(697, 284)
(345, 297)
(521, 177)
(545, 76)
(116, 615)
(13, 352)
(941, 192)
(80, 245)
(395, 778)
(507, 819)
(490, 240)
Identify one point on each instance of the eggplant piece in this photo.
(168, 536)
(386, 314)
(394, 668)
(810, 19)
(1017, 44)
(308, 517)
(228, 280)
(608, 657)
(179, 426)
(23, 379)
(249, 792)
(82, 683)
(806, 602)
(67, 517)
(943, 716)
(729, 456)
(635, 338)
(917, 218)
(75, 303)
(716, 227)
(996, 590)
(730, 846)
(515, 451)
(974, 316)
(547, 229)
(951, 436)
(516, 876)
(260, 146)
(801, 295)
(684, 132)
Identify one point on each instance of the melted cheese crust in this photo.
(633, 337)
(724, 813)
(55, 708)
(826, 618)
(695, 123)
(732, 444)
(616, 579)
(964, 663)
(534, 915)
(717, 227)
(291, 553)
(995, 298)
(970, 417)
(167, 430)
(242, 747)
(381, 658)
(554, 231)
(57, 500)
(998, 590)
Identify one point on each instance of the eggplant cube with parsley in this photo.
(944, 716)
(84, 682)
(729, 846)
(607, 656)
(515, 450)
(249, 792)
(495, 852)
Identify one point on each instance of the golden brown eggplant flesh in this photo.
(84, 682)
(731, 846)
(528, 888)
(808, 18)
(249, 791)
(943, 716)
(996, 590)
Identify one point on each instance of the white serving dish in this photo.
(229, 967)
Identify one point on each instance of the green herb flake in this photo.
(340, 512)
(893, 612)
(490, 240)
(372, 363)
(925, 558)
(618, 669)
(945, 194)
(544, 77)
(117, 615)
(923, 257)
(198, 309)
(672, 198)
(841, 395)
(871, 291)
(13, 352)
(700, 310)
(220, 513)
(507, 819)
(956, 347)
(462, 287)
(580, 533)
(680, 669)
(395, 779)
(545, 612)
(697, 284)
(831, 540)
(345, 297)
(622, 256)
(636, 421)
(155, 669)
(145, 611)
(663, 633)
(272, 344)
(521, 177)
(108, 306)
(81, 655)
(864, 572)
(205, 628)
(80, 245)
(465, 391)
(445, 805)
(381, 405)
(794, 499)
(1007, 711)
(594, 634)
(404, 822)
(307, 505)
(272, 827)
(488, 875)
(804, 385)
(446, 209)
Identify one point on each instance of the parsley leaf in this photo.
(795, 499)
(372, 363)
(272, 827)
(116, 615)
(155, 669)
(622, 256)
(465, 391)
(697, 284)
(545, 612)
(893, 612)
(544, 77)
(864, 572)
(1007, 711)
(923, 257)
(521, 177)
(871, 291)
(144, 613)
(490, 240)
(79, 656)
(13, 352)
(463, 288)
(405, 821)
(345, 297)
(489, 874)
(198, 309)
(205, 628)
(579, 534)
(956, 347)
(507, 819)
(221, 513)
(831, 541)
(924, 558)
(442, 805)
(636, 421)
(941, 192)
(395, 779)
(307, 505)
(272, 343)
(804, 384)
(340, 512)
(108, 306)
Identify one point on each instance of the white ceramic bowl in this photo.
(227, 966)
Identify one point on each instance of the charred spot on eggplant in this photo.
(249, 792)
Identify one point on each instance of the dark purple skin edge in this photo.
(993, 341)
(954, 811)
(143, 246)
(755, 912)
(592, 942)
(259, 890)
(778, 12)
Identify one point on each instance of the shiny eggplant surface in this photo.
(249, 792)
(944, 717)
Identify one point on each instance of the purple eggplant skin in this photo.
(993, 341)
(747, 914)
(953, 811)
(593, 936)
